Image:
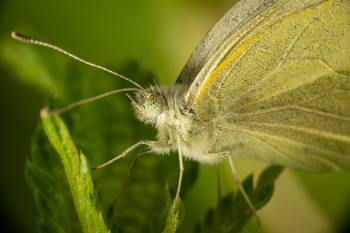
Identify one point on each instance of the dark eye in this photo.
(141, 99)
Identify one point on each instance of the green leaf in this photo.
(232, 212)
(175, 216)
(46, 178)
(77, 172)
(266, 186)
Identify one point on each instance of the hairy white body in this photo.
(197, 138)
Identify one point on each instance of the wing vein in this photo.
(308, 130)
(283, 60)
(282, 108)
(288, 141)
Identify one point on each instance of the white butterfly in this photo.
(270, 81)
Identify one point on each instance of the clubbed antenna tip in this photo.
(30, 40)
(21, 37)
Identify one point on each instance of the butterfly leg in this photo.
(131, 168)
(241, 189)
(124, 153)
(181, 169)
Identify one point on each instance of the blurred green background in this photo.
(159, 35)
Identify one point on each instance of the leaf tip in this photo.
(44, 113)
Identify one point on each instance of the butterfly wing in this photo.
(280, 85)
(234, 19)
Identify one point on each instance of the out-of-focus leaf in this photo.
(266, 185)
(232, 212)
(28, 66)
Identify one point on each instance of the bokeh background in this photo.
(159, 35)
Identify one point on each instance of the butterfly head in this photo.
(149, 104)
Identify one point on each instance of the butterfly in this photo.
(270, 81)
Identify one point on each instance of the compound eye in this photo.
(140, 98)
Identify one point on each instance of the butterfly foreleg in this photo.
(181, 168)
(125, 153)
(241, 189)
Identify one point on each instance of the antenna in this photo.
(88, 100)
(27, 39)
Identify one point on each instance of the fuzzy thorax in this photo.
(164, 108)
(153, 104)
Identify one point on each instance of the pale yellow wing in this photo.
(240, 14)
(281, 86)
